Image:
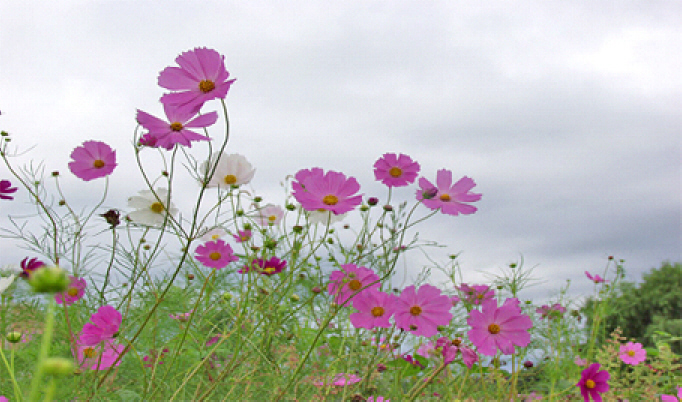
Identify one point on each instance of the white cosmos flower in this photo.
(213, 234)
(149, 211)
(231, 170)
(325, 217)
(5, 282)
(269, 215)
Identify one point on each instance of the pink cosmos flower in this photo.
(153, 359)
(201, 77)
(92, 160)
(450, 198)
(3, 399)
(340, 380)
(182, 317)
(673, 398)
(28, 266)
(175, 131)
(580, 361)
(374, 309)
(383, 345)
(596, 278)
(74, 292)
(6, 188)
(215, 254)
(593, 382)
(100, 356)
(412, 361)
(105, 324)
(632, 353)
(242, 236)
(499, 327)
(268, 267)
(476, 294)
(378, 399)
(350, 279)
(556, 311)
(270, 215)
(331, 191)
(428, 350)
(396, 171)
(421, 312)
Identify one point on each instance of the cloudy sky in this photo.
(567, 114)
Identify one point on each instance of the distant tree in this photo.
(640, 311)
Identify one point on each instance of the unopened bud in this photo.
(294, 298)
(49, 280)
(372, 201)
(58, 366)
(13, 337)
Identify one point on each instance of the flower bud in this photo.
(298, 229)
(55, 173)
(257, 199)
(240, 212)
(528, 364)
(316, 290)
(58, 366)
(364, 208)
(388, 208)
(227, 297)
(372, 201)
(290, 207)
(13, 337)
(49, 280)
(429, 193)
(294, 298)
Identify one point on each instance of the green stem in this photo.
(44, 351)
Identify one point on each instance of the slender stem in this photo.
(44, 351)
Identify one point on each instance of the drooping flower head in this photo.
(421, 312)
(331, 191)
(201, 77)
(350, 279)
(92, 160)
(596, 278)
(231, 170)
(175, 130)
(450, 198)
(555, 311)
(150, 211)
(632, 353)
(270, 215)
(99, 356)
(103, 326)
(374, 309)
(30, 266)
(215, 254)
(74, 292)
(500, 328)
(5, 189)
(593, 382)
(268, 267)
(476, 294)
(396, 170)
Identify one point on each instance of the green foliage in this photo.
(641, 311)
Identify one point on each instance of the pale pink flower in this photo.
(175, 130)
(449, 198)
(632, 353)
(340, 380)
(74, 292)
(476, 294)
(270, 215)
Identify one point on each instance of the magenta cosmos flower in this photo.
(595, 279)
(105, 324)
(593, 382)
(632, 353)
(6, 188)
(350, 279)
(450, 198)
(378, 399)
(396, 170)
(499, 327)
(201, 77)
(555, 311)
(268, 267)
(215, 254)
(421, 312)
(331, 191)
(74, 292)
(29, 266)
(476, 294)
(98, 357)
(374, 309)
(673, 398)
(166, 134)
(92, 160)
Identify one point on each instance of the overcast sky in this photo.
(567, 114)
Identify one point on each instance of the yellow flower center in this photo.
(377, 311)
(230, 179)
(215, 256)
(590, 384)
(415, 310)
(206, 86)
(354, 284)
(73, 292)
(157, 207)
(330, 200)
(631, 353)
(269, 270)
(89, 353)
(215, 237)
(272, 218)
(444, 197)
(176, 126)
(457, 342)
(494, 329)
(98, 164)
(480, 296)
(395, 172)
